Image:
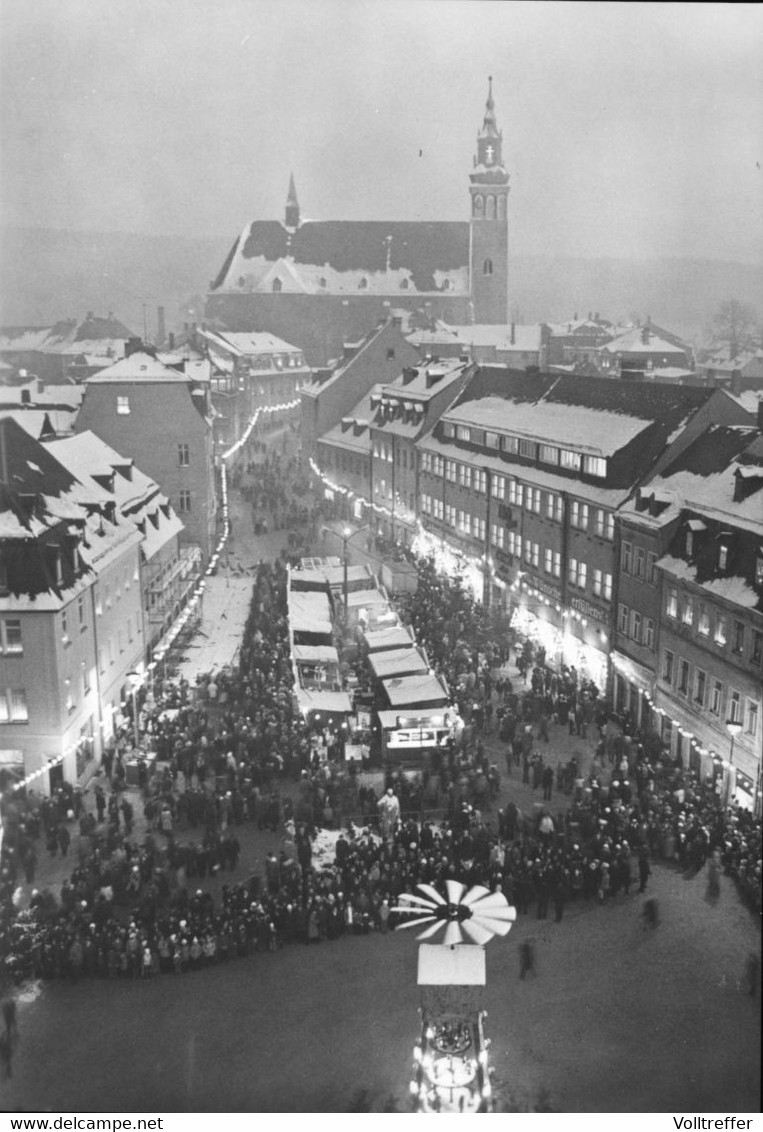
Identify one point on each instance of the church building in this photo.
(319, 284)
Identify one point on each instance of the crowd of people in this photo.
(234, 749)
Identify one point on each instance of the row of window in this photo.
(638, 562)
(708, 622)
(706, 691)
(631, 623)
(531, 449)
(13, 706)
(402, 457)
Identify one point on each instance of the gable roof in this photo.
(138, 367)
(422, 250)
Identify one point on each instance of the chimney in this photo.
(26, 397)
(397, 321)
(513, 334)
(172, 340)
(645, 333)
(161, 327)
(40, 385)
(409, 372)
(760, 414)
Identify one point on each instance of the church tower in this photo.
(291, 219)
(489, 225)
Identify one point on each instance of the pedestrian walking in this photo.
(650, 914)
(10, 1019)
(644, 869)
(526, 959)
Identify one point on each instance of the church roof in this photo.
(421, 252)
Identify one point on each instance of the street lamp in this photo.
(134, 678)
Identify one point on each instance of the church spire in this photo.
(291, 219)
(489, 138)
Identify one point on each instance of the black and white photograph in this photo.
(381, 559)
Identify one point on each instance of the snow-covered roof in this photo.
(245, 343)
(309, 612)
(578, 427)
(397, 636)
(732, 589)
(397, 662)
(315, 654)
(328, 702)
(526, 338)
(138, 367)
(640, 340)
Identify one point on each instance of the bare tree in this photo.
(733, 323)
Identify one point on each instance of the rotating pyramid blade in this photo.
(428, 932)
(416, 923)
(476, 933)
(455, 891)
(431, 892)
(497, 927)
(476, 893)
(452, 933)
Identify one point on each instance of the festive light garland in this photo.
(198, 592)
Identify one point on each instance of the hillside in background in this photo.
(46, 275)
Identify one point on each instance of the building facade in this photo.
(163, 419)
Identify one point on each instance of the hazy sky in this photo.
(629, 129)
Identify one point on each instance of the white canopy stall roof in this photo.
(362, 599)
(462, 966)
(433, 717)
(309, 613)
(398, 662)
(317, 654)
(332, 703)
(410, 690)
(395, 637)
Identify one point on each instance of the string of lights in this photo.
(164, 646)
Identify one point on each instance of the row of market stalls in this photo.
(340, 619)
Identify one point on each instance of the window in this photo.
(700, 687)
(600, 516)
(703, 622)
(639, 562)
(687, 613)
(13, 706)
(578, 573)
(720, 630)
(570, 460)
(81, 617)
(557, 567)
(535, 554)
(184, 503)
(487, 267)
(123, 406)
(516, 493)
(579, 515)
(671, 606)
(607, 595)
(735, 706)
(515, 544)
(464, 475)
(651, 568)
(738, 639)
(689, 544)
(85, 674)
(595, 466)
(623, 618)
(609, 527)
(649, 632)
(598, 582)
(554, 507)
(723, 556)
(759, 569)
(478, 528)
(683, 676)
(479, 480)
(756, 653)
(10, 637)
(533, 499)
(463, 432)
(716, 697)
(491, 440)
(450, 514)
(668, 663)
(548, 560)
(426, 461)
(450, 470)
(498, 536)
(636, 625)
(528, 448)
(448, 430)
(510, 444)
(753, 714)
(548, 454)
(438, 509)
(626, 557)
(572, 571)
(184, 455)
(426, 504)
(498, 487)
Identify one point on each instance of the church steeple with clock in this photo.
(489, 225)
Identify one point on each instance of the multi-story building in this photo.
(377, 359)
(252, 371)
(168, 571)
(705, 512)
(163, 419)
(522, 479)
(71, 624)
(322, 283)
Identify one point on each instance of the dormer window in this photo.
(322, 281)
(758, 569)
(277, 285)
(487, 267)
(123, 406)
(404, 284)
(723, 556)
(689, 546)
(363, 285)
